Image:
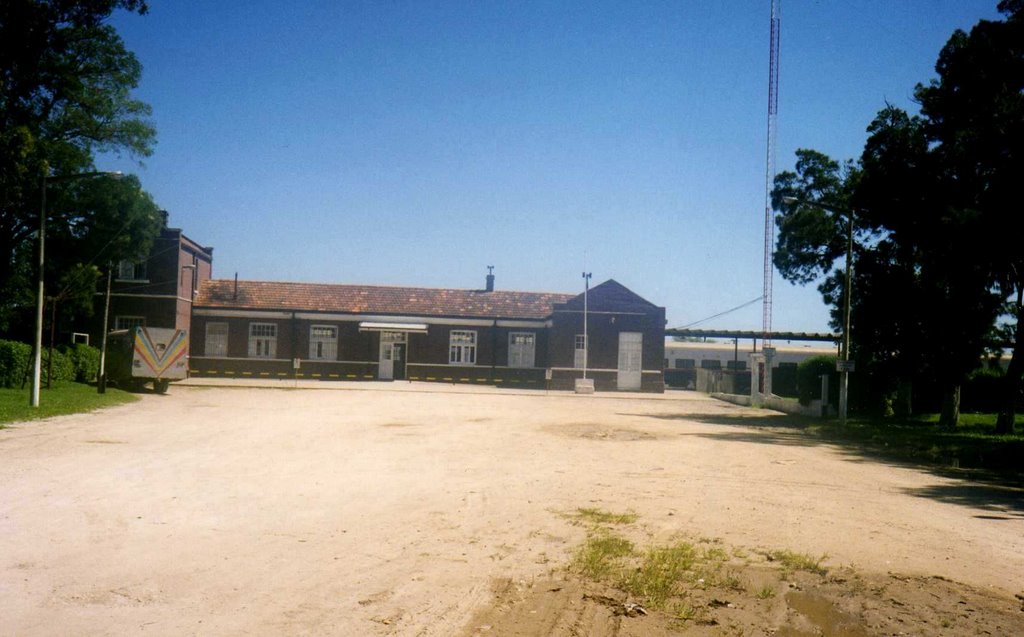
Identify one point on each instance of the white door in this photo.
(631, 346)
(386, 368)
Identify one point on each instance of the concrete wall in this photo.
(712, 381)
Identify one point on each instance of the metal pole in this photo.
(844, 383)
(586, 335)
(37, 345)
(101, 380)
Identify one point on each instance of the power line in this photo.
(729, 311)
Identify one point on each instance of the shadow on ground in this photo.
(999, 502)
(1000, 493)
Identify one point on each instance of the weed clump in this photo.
(793, 561)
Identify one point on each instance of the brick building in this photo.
(324, 331)
(157, 291)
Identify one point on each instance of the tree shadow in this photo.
(1001, 501)
(774, 420)
(999, 491)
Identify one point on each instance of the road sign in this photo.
(846, 366)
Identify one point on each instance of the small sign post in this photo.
(846, 366)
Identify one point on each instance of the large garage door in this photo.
(631, 345)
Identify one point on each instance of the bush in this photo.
(983, 390)
(15, 359)
(784, 380)
(808, 378)
(63, 367)
(86, 360)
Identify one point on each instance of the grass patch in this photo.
(798, 561)
(63, 398)
(660, 574)
(687, 580)
(602, 556)
(973, 444)
(767, 592)
(601, 517)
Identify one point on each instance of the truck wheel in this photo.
(161, 386)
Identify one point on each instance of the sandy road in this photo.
(257, 511)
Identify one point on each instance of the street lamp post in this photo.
(37, 345)
(845, 366)
(586, 335)
(844, 382)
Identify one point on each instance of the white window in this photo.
(262, 340)
(129, 322)
(323, 342)
(462, 347)
(216, 339)
(131, 271)
(581, 351)
(521, 349)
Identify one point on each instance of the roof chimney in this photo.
(236, 286)
(490, 279)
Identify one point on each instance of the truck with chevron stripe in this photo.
(144, 355)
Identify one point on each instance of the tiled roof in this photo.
(374, 299)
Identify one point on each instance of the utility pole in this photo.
(101, 380)
(844, 366)
(37, 343)
(586, 335)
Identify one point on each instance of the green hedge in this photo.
(86, 361)
(15, 359)
(808, 378)
(79, 362)
(63, 366)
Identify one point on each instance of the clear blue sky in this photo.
(415, 143)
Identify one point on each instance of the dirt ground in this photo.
(436, 511)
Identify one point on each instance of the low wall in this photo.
(500, 376)
(565, 380)
(711, 381)
(776, 403)
(202, 367)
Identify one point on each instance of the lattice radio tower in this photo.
(769, 221)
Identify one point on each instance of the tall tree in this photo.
(974, 114)
(65, 83)
(933, 195)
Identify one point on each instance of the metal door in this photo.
(630, 357)
(385, 368)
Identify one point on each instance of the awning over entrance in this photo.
(413, 328)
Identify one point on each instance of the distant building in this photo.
(265, 329)
(157, 291)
